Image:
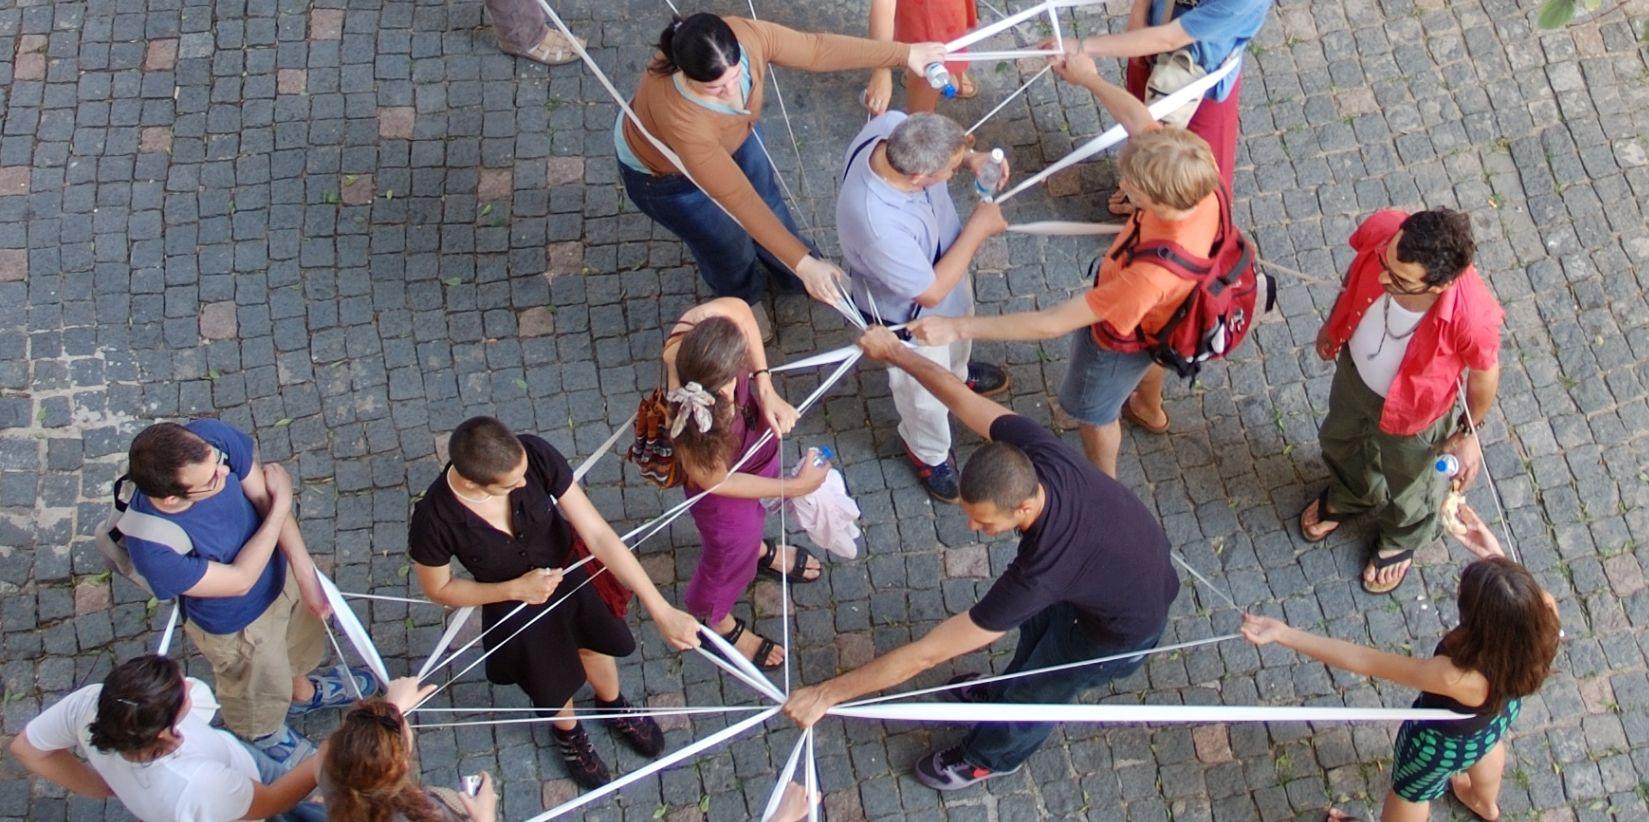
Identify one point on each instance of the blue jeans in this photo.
(268, 771)
(725, 253)
(1052, 637)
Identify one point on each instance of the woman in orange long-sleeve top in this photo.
(702, 97)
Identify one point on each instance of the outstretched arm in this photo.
(1079, 70)
(1435, 675)
(1025, 325)
(952, 638)
(678, 627)
(976, 412)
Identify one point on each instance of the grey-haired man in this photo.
(907, 253)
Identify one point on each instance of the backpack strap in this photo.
(148, 527)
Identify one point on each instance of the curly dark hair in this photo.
(141, 698)
(1440, 241)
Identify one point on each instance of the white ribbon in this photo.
(1010, 712)
(658, 765)
(352, 628)
(1010, 54)
(733, 662)
(455, 623)
(171, 628)
(1116, 134)
(785, 776)
(1010, 98)
(1009, 22)
(465, 723)
(1061, 228)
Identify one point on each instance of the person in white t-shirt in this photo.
(147, 740)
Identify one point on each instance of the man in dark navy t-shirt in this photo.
(1092, 578)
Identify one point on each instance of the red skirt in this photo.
(1215, 120)
(935, 21)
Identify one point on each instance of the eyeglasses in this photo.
(1393, 283)
(215, 484)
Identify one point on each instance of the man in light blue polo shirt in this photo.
(907, 255)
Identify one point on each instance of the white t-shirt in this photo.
(209, 778)
(1395, 329)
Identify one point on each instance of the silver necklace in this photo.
(1385, 328)
(458, 494)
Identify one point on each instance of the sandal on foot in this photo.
(1120, 206)
(798, 564)
(966, 88)
(1139, 419)
(763, 651)
(552, 50)
(1323, 516)
(1379, 563)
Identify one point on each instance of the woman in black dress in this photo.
(507, 508)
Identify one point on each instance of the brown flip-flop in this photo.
(1379, 563)
(1323, 515)
(1137, 419)
(1119, 205)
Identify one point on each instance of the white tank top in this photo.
(1381, 339)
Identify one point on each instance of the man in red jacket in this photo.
(1412, 324)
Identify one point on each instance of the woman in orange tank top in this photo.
(927, 21)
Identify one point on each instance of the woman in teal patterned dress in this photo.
(1501, 651)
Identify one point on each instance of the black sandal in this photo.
(1379, 563)
(763, 651)
(798, 564)
(1323, 515)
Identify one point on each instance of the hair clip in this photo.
(125, 701)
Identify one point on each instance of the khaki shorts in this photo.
(253, 669)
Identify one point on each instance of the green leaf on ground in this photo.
(452, 281)
(1555, 14)
(520, 383)
(283, 422)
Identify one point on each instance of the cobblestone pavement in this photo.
(348, 229)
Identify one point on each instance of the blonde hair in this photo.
(1171, 166)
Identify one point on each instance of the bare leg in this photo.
(1398, 809)
(302, 689)
(1479, 787)
(565, 720)
(919, 96)
(1147, 397)
(602, 672)
(1101, 443)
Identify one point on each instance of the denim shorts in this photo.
(1099, 380)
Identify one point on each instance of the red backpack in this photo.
(1227, 296)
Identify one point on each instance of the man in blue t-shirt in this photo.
(256, 620)
(907, 254)
(1092, 578)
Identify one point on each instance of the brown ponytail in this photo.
(713, 354)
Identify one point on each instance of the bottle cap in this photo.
(949, 91)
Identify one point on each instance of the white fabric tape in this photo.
(1007, 712)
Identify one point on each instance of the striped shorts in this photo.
(1427, 756)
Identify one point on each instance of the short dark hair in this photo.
(484, 449)
(999, 473)
(159, 453)
(1440, 241)
(701, 46)
(140, 699)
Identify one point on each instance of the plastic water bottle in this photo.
(984, 183)
(1447, 465)
(822, 455)
(939, 78)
